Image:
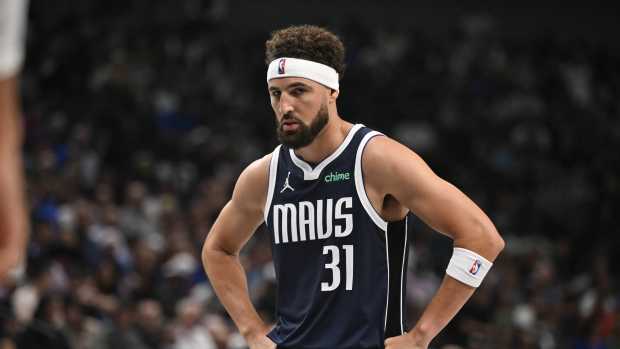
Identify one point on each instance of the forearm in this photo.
(481, 237)
(229, 281)
(449, 299)
(453, 293)
(13, 221)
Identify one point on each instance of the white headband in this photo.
(301, 68)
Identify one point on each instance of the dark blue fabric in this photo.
(308, 317)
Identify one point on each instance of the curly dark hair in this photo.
(307, 42)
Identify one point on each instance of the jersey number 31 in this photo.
(333, 265)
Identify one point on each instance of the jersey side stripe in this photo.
(396, 239)
(387, 293)
(402, 276)
(273, 173)
(359, 183)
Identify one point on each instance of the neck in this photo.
(327, 141)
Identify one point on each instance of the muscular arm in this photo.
(232, 229)
(13, 222)
(392, 169)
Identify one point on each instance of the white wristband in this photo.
(12, 36)
(468, 267)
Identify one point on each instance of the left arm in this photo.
(444, 208)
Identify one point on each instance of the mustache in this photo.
(289, 118)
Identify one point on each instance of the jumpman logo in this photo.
(286, 184)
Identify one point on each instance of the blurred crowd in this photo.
(140, 115)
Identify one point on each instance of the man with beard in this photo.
(336, 198)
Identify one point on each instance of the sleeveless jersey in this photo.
(340, 268)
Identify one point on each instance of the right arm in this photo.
(13, 216)
(220, 254)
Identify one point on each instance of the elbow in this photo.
(499, 243)
(213, 253)
(207, 254)
(484, 239)
(494, 241)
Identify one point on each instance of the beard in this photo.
(304, 134)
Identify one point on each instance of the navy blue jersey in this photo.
(340, 268)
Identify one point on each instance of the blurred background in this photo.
(140, 115)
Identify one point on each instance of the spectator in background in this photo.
(190, 330)
(27, 298)
(150, 325)
(121, 333)
(46, 330)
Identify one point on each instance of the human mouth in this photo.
(290, 126)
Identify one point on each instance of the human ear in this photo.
(333, 95)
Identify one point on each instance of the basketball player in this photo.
(13, 222)
(335, 198)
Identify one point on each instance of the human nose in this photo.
(286, 105)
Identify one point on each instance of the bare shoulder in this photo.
(388, 165)
(251, 187)
(382, 153)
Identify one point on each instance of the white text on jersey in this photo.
(305, 220)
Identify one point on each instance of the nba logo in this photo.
(475, 267)
(281, 66)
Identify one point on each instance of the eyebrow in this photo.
(298, 84)
(293, 85)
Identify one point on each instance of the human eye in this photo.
(275, 93)
(297, 91)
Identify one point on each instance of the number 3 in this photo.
(333, 265)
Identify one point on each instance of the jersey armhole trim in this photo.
(359, 183)
(387, 290)
(402, 276)
(273, 172)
